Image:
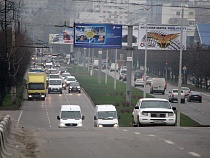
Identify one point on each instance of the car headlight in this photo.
(100, 125)
(79, 124)
(144, 113)
(29, 96)
(78, 87)
(170, 114)
(62, 124)
(116, 125)
(42, 96)
(70, 87)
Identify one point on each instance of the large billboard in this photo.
(162, 37)
(64, 37)
(98, 35)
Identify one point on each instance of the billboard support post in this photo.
(107, 52)
(88, 59)
(99, 65)
(115, 71)
(84, 58)
(129, 65)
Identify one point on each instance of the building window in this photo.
(177, 13)
(190, 13)
(191, 22)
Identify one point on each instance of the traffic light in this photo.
(166, 62)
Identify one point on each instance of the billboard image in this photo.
(162, 37)
(98, 35)
(64, 37)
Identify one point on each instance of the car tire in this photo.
(79, 91)
(69, 91)
(183, 101)
(61, 92)
(48, 91)
(139, 124)
(189, 100)
(200, 101)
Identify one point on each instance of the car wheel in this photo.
(48, 92)
(163, 93)
(183, 101)
(200, 101)
(189, 100)
(61, 92)
(79, 91)
(133, 122)
(139, 124)
(69, 91)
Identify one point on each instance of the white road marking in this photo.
(169, 142)
(125, 130)
(47, 114)
(151, 135)
(194, 154)
(180, 147)
(19, 118)
(137, 133)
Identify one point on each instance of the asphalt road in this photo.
(39, 117)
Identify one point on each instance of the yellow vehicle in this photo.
(36, 85)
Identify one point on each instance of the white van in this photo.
(70, 116)
(112, 67)
(105, 116)
(55, 85)
(158, 85)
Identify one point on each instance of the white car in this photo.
(139, 82)
(68, 80)
(151, 111)
(70, 116)
(173, 95)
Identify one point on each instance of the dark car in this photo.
(74, 87)
(194, 96)
(138, 75)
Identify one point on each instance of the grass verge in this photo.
(101, 93)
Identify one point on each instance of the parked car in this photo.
(138, 75)
(194, 96)
(151, 111)
(74, 87)
(148, 81)
(173, 96)
(139, 82)
(186, 91)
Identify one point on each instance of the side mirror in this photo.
(95, 118)
(83, 117)
(58, 117)
(173, 108)
(136, 107)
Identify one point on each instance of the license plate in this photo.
(158, 121)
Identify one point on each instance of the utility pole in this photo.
(129, 64)
(11, 62)
(99, 65)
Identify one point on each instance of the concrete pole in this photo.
(129, 65)
(84, 58)
(99, 65)
(115, 72)
(107, 52)
(180, 70)
(88, 59)
(145, 57)
(92, 61)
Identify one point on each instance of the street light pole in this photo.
(180, 70)
(145, 56)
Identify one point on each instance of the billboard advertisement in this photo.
(162, 37)
(98, 35)
(64, 37)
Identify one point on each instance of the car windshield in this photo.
(36, 86)
(196, 93)
(70, 79)
(185, 89)
(66, 74)
(70, 115)
(176, 91)
(107, 115)
(74, 84)
(54, 76)
(55, 82)
(155, 104)
(124, 71)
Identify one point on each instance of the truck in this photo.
(36, 85)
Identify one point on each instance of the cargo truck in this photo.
(36, 85)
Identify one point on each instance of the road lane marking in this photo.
(46, 109)
(19, 118)
(194, 154)
(169, 142)
(137, 133)
(125, 130)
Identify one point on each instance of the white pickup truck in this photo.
(173, 96)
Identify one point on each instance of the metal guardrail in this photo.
(5, 127)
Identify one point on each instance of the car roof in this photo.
(70, 108)
(106, 107)
(153, 99)
(70, 76)
(55, 79)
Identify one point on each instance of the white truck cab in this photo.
(105, 116)
(70, 116)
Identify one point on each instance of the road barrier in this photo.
(5, 126)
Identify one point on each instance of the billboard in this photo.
(98, 35)
(64, 37)
(162, 37)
